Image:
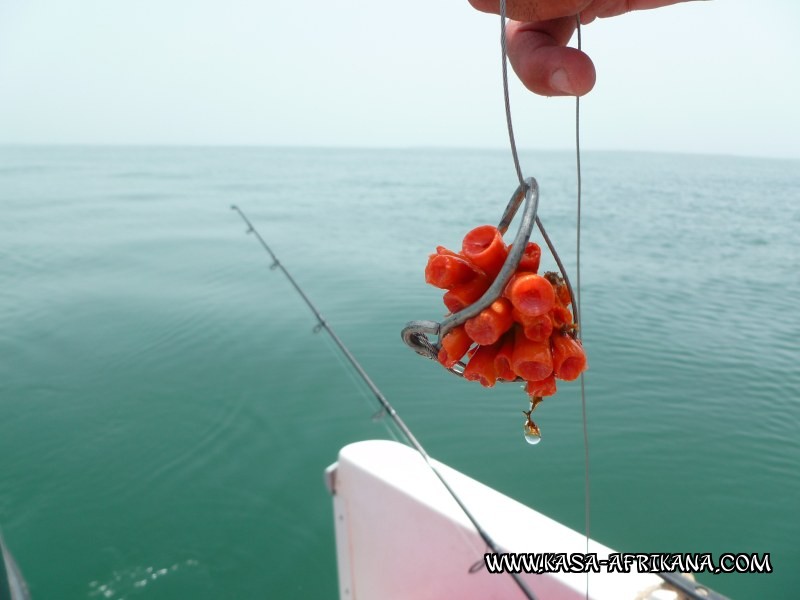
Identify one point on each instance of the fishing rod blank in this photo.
(386, 406)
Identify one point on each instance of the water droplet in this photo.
(532, 438)
(531, 430)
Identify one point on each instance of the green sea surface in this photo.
(166, 411)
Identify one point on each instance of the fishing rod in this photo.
(386, 406)
(691, 589)
(12, 584)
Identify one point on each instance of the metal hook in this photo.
(415, 333)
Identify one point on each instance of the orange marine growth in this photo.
(546, 387)
(560, 315)
(446, 271)
(485, 247)
(454, 346)
(491, 323)
(531, 294)
(460, 296)
(527, 334)
(531, 360)
(537, 328)
(569, 360)
(530, 258)
(481, 366)
(502, 361)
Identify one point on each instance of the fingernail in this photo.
(560, 82)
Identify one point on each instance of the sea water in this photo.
(166, 411)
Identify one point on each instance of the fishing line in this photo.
(687, 586)
(587, 510)
(690, 588)
(575, 295)
(358, 383)
(515, 157)
(385, 405)
(506, 100)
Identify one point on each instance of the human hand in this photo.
(537, 35)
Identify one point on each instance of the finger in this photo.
(542, 62)
(612, 8)
(533, 10)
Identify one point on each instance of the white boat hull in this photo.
(400, 534)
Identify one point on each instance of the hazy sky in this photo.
(719, 76)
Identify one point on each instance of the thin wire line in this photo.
(578, 166)
(505, 91)
(517, 168)
(586, 483)
(689, 588)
